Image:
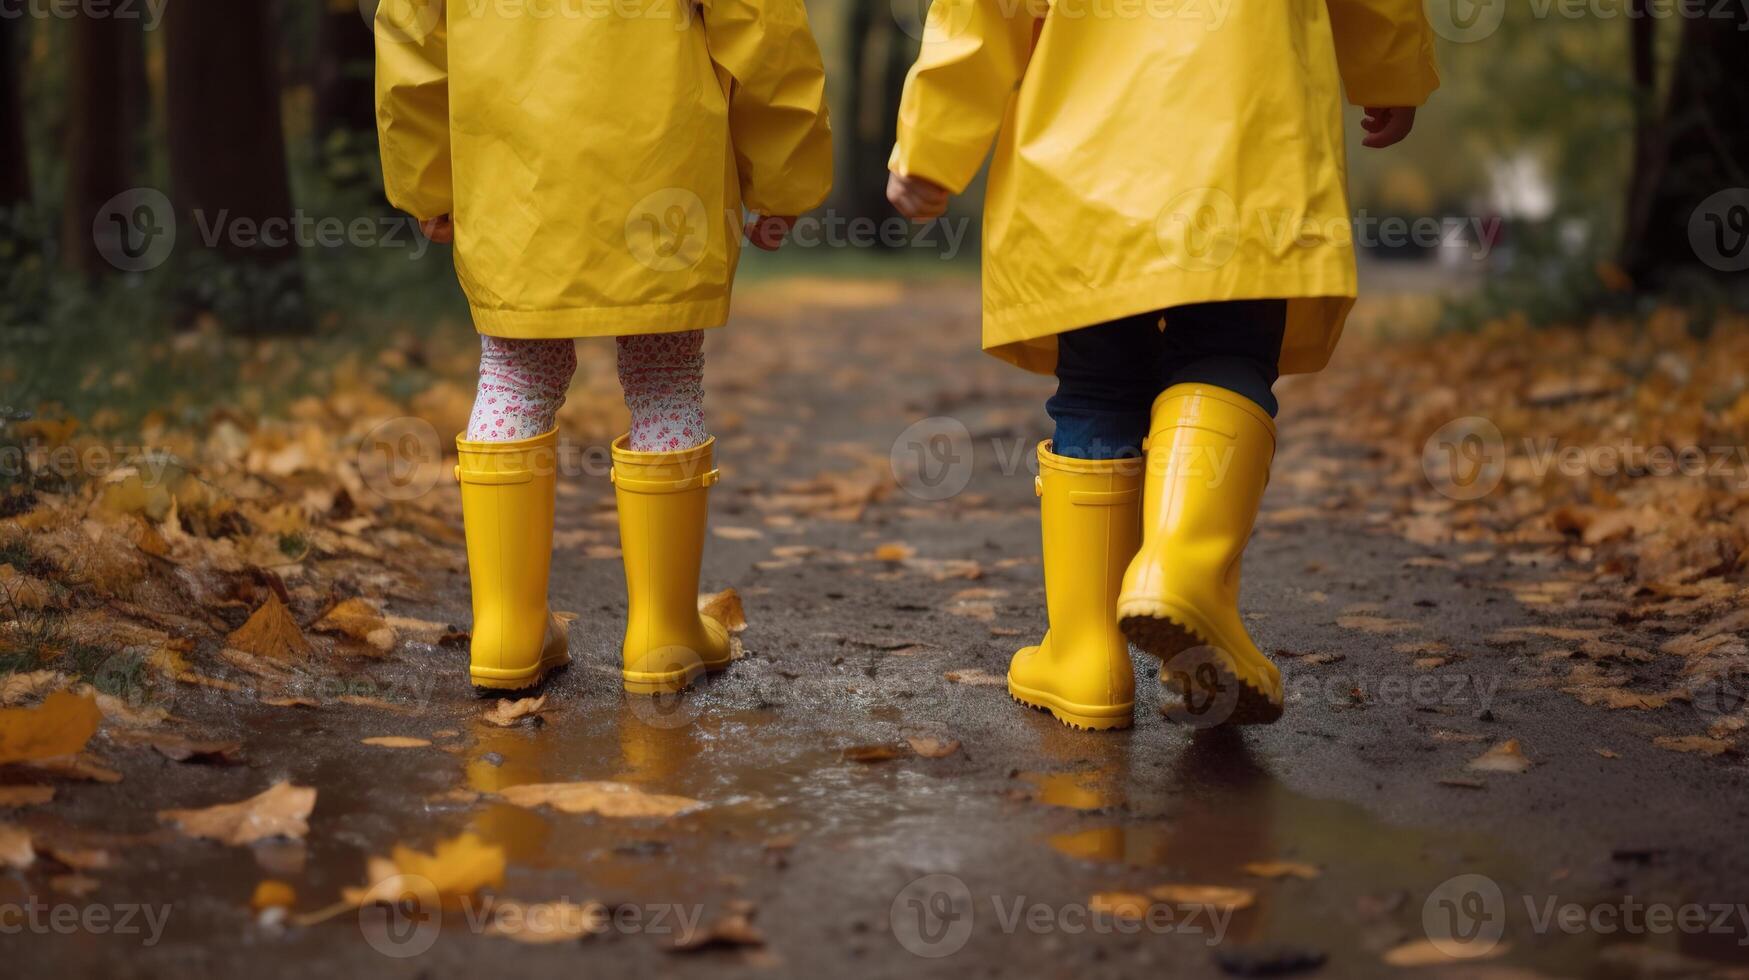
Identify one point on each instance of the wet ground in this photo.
(983, 861)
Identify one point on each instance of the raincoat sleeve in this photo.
(1384, 49)
(778, 119)
(412, 88)
(974, 53)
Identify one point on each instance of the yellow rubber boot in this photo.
(662, 498)
(507, 512)
(1090, 513)
(1209, 451)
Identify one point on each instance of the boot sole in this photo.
(1165, 635)
(670, 682)
(487, 687)
(1091, 718)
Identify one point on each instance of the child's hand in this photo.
(916, 198)
(440, 229)
(1387, 126)
(767, 231)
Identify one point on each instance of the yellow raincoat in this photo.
(596, 154)
(1157, 152)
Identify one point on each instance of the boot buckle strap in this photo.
(1102, 498)
(703, 480)
(492, 478)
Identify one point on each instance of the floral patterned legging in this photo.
(523, 384)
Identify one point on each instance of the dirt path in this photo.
(988, 857)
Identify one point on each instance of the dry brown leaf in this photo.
(280, 811)
(270, 632)
(894, 551)
(1380, 625)
(1423, 952)
(15, 847)
(730, 533)
(725, 607)
(1280, 869)
(976, 677)
(546, 922)
(733, 929)
(504, 713)
(872, 753)
(59, 726)
(1696, 744)
(1507, 756)
(17, 796)
(1120, 905)
(396, 742)
(930, 747)
(455, 870)
(607, 799)
(1205, 896)
(358, 619)
(271, 894)
(18, 688)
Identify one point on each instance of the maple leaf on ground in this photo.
(607, 799)
(280, 811)
(271, 632)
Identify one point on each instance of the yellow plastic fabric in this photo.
(663, 506)
(1209, 452)
(1156, 154)
(1090, 514)
(596, 162)
(507, 513)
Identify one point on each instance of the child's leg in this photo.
(522, 386)
(1107, 377)
(1234, 345)
(662, 474)
(663, 378)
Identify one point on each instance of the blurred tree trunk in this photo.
(880, 54)
(14, 152)
(23, 285)
(345, 93)
(236, 247)
(106, 72)
(1697, 147)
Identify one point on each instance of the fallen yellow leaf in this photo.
(607, 799)
(725, 607)
(1507, 756)
(1207, 896)
(280, 811)
(15, 847)
(396, 742)
(270, 632)
(1280, 869)
(61, 725)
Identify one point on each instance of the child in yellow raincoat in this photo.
(590, 163)
(1166, 229)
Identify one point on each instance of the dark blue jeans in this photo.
(1108, 375)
